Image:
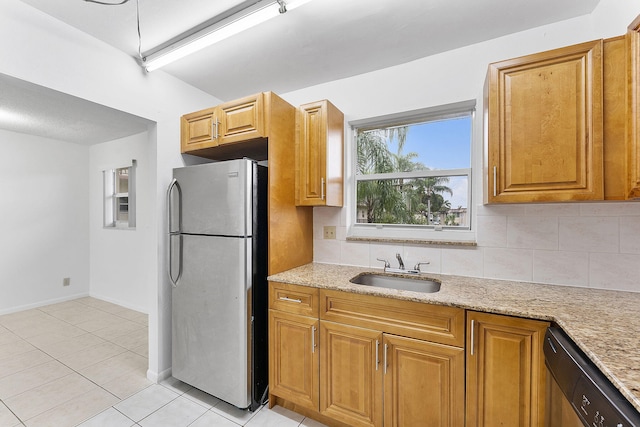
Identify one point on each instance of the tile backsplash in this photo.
(579, 244)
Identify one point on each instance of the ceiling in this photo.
(37, 110)
(321, 41)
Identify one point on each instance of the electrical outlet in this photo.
(66, 281)
(329, 231)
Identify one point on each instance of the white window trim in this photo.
(109, 198)
(404, 232)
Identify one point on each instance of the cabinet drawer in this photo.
(293, 299)
(406, 318)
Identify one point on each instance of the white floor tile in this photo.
(180, 412)
(100, 320)
(146, 402)
(202, 398)
(211, 419)
(42, 352)
(7, 418)
(108, 418)
(7, 337)
(123, 327)
(15, 349)
(91, 356)
(40, 399)
(176, 385)
(238, 416)
(10, 365)
(275, 417)
(58, 346)
(127, 385)
(76, 410)
(308, 422)
(30, 378)
(117, 366)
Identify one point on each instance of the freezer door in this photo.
(211, 318)
(215, 199)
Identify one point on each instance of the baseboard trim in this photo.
(43, 303)
(158, 377)
(118, 302)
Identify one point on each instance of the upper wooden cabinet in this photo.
(633, 152)
(505, 371)
(235, 121)
(319, 155)
(545, 126)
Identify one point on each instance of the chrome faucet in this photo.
(401, 269)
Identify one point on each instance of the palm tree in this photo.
(400, 200)
(373, 157)
(434, 185)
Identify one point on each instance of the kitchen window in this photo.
(120, 197)
(413, 173)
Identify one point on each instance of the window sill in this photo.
(412, 241)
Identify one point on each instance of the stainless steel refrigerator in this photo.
(217, 214)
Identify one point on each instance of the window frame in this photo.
(392, 232)
(112, 199)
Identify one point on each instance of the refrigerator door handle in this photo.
(174, 184)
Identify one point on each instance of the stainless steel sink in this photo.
(401, 283)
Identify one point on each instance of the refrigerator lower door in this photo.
(211, 318)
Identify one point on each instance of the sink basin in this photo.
(401, 283)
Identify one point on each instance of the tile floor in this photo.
(83, 363)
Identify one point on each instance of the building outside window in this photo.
(413, 172)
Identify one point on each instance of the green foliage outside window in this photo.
(398, 200)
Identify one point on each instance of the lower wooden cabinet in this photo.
(293, 361)
(370, 378)
(344, 365)
(423, 383)
(350, 374)
(505, 371)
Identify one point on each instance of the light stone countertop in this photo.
(604, 324)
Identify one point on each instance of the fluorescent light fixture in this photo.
(250, 17)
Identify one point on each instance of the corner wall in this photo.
(75, 63)
(44, 212)
(120, 261)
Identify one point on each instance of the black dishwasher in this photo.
(587, 397)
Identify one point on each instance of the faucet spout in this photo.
(401, 264)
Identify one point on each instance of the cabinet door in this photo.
(545, 126)
(423, 383)
(197, 130)
(634, 102)
(351, 374)
(293, 358)
(319, 155)
(241, 120)
(505, 371)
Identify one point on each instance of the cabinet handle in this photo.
(377, 355)
(299, 301)
(495, 187)
(214, 127)
(472, 334)
(385, 358)
(321, 188)
(313, 339)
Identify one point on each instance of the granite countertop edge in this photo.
(604, 323)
